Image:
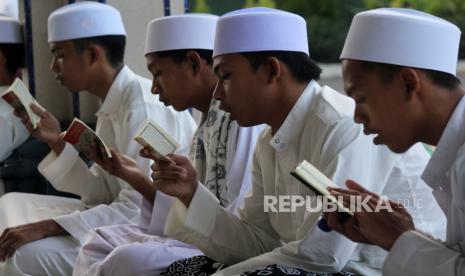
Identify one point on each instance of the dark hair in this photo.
(114, 46)
(302, 67)
(179, 56)
(14, 55)
(388, 71)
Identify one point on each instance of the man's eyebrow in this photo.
(215, 69)
(55, 49)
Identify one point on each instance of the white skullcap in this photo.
(176, 32)
(258, 30)
(403, 37)
(10, 30)
(84, 19)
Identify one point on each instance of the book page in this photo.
(154, 137)
(318, 182)
(84, 138)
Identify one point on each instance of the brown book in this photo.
(84, 138)
(19, 97)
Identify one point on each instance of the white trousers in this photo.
(126, 250)
(50, 256)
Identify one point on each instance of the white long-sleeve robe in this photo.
(105, 200)
(12, 132)
(130, 250)
(416, 254)
(319, 129)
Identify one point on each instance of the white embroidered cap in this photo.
(403, 37)
(260, 29)
(84, 19)
(176, 32)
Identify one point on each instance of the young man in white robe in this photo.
(406, 91)
(87, 40)
(221, 152)
(12, 131)
(266, 76)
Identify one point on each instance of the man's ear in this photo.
(273, 67)
(194, 61)
(93, 53)
(411, 82)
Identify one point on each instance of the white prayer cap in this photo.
(84, 19)
(177, 32)
(258, 30)
(10, 30)
(403, 37)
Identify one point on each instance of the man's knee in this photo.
(51, 256)
(26, 259)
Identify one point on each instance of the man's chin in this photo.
(398, 148)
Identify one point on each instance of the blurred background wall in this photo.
(327, 21)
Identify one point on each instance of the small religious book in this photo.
(157, 140)
(316, 181)
(84, 139)
(19, 97)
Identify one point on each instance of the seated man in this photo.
(266, 76)
(407, 90)
(13, 133)
(221, 152)
(87, 40)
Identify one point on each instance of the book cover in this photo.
(316, 181)
(157, 140)
(84, 138)
(19, 97)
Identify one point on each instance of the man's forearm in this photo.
(51, 228)
(58, 146)
(144, 186)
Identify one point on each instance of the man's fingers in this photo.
(333, 222)
(5, 235)
(38, 110)
(352, 185)
(343, 192)
(178, 159)
(166, 186)
(169, 175)
(13, 249)
(163, 166)
(147, 153)
(5, 247)
(116, 158)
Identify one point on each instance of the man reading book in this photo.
(13, 133)
(221, 152)
(87, 40)
(265, 73)
(407, 91)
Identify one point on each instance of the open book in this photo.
(316, 181)
(84, 138)
(19, 97)
(157, 140)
